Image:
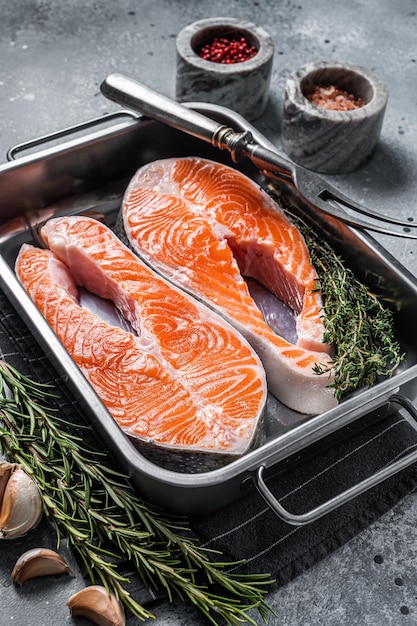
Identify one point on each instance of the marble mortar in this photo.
(242, 87)
(328, 141)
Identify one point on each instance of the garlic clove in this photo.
(39, 562)
(98, 605)
(21, 506)
(5, 473)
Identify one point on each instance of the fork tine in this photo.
(330, 200)
(334, 194)
(335, 211)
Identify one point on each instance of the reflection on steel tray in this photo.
(90, 172)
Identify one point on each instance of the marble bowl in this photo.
(242, 87)
(332, 141)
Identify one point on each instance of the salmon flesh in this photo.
(207, 227)
(185, 380)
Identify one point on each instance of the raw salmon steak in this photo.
(185, 380)
(207, 227)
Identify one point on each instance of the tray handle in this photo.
(33, 143)
(345, 496)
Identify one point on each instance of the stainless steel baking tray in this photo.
(87, 167)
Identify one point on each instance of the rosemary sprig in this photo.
(356, 321)
(97, 511)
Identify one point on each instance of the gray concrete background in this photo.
(54, 56)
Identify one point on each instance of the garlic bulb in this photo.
(39, 562)
(97, 605)
(20, 501)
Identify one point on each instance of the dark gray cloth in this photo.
(247, 529)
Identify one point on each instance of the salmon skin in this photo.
(205, 226)
(185, 382)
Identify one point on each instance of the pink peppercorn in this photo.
(224, 50)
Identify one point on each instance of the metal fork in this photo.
(313, 189)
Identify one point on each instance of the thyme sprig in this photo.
(96, 510)
(358, 324)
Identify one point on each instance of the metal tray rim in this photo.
(300, 436)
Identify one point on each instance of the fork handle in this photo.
(152, 104)
(143, 99)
